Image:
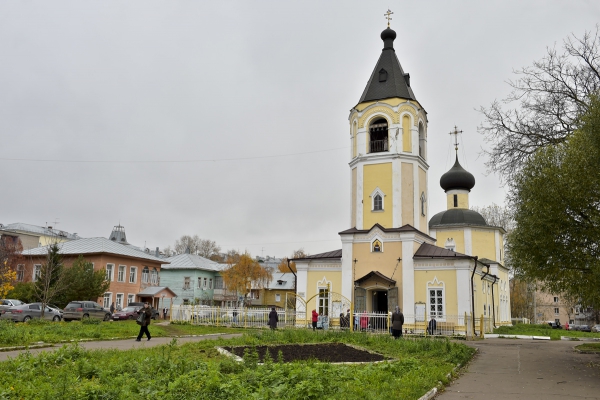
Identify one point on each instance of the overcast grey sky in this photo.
(229, 119)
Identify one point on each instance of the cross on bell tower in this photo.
(388, 16)
(455, 133)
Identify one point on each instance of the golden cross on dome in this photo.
(455, 133)
(388, 16)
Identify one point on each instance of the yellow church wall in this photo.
(423, 226)
(463, 201)
(448, 277)
(458, 235)
(313, 279)
(377, 175)
(353, 215)
(393, 102)
(484, 244)
(406, 134)
(384, 262)
(408, 204)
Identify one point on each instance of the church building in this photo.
(392, 254)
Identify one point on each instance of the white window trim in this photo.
(124, 273)
(105, 299)
(436, 285)
(277, 298)
(134, 270)
(37, 271)
(112, 272)
(375, 192)
(376, 238)
(117, 299)
(132, 296)
(145, 275)
(187, 280)
(154, 277)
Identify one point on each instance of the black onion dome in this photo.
(457, 178)
(388, 36)
(457, 216)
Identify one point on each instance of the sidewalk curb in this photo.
(501, 336)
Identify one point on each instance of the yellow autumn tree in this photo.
(283, 266)
(244, 273)
(10, 257)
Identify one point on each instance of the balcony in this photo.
(378, 146)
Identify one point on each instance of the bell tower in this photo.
(388, 160)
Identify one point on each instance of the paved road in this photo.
(527, 369)
(121, 344)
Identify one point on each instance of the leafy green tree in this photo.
(84, 282)
(51, 281)
(23, 291)
(556, 207)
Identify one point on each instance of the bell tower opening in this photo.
(378, 136)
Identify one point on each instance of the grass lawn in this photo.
(543, 330)
(34, 331)
(198, 371)
(589, 347)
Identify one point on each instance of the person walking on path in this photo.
(397, 322)
(364, 321)
(432, 326)
(315, 318)
(273, 318)
(112, 308)
(144, 320)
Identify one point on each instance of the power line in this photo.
(168, 161)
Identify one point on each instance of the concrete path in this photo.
(125, 344)
(527, 369)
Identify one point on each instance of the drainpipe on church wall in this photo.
(473, 295)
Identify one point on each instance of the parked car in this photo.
(26, 312)
(85, 309)
(7, 303)
(573, 327)
(596, 328)
(585, 328)
(155, 313)
(129, 312)
(555, 325)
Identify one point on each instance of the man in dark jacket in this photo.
(273, 318)
(397, 322)
(146, 314)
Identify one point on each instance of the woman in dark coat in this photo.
(397, 322)
(273, 318)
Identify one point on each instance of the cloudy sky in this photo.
(229, 119)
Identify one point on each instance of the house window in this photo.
(219, 283)
(119, 300)
(109, 272)
(210, 283)
(121, 276)
(556, 310)
(186, 283)
(277, 298)
(130, 298)
(323, 301)
(145, 275)
(436, 303)
(154, 277)
(204, 286)
(132, 274)
(377, 203)
(37, 272)
(107, 299)
(199, 283)
(186, 301)
(20, 273)
(555, 299)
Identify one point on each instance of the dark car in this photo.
(555, 325)
(129, 312)
(155, 313)
(85, 309)
(585, 328)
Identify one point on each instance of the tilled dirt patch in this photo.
(326, 352)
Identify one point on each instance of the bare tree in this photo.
(496, 215)
(187, 244)
(550, 96)
(208, 248)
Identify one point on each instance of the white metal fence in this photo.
(449, 325)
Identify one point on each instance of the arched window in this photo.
(145, 275)
(377, 200)
(154, 277)
(377, 203)
(378, 136)
(423, 201)
(422, 141)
